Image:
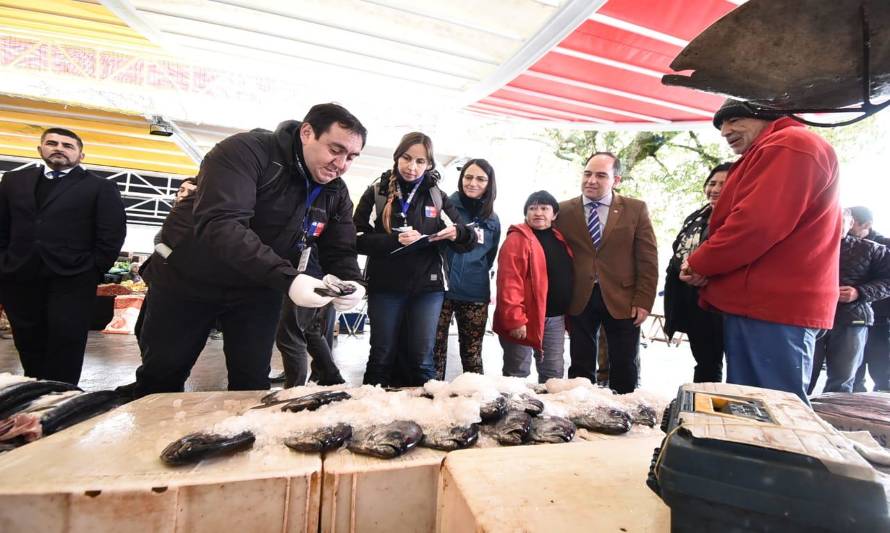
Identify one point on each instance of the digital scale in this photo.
(745, 459)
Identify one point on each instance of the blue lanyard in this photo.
(312, 192)
(407, 203)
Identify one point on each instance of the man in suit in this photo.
(61, 229)
(616, 271)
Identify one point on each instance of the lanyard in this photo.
(312, 192)
(407, 203)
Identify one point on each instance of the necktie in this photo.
(593, 226)
(56, 174)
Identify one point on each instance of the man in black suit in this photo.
(61, 229)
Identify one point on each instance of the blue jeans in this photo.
(843, 346)
(768, 355)
(549, 361)
(403, 334)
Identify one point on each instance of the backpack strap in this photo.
(274, 166)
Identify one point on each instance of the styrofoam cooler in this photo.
(105, 475)
(598, 485)
(365, 494)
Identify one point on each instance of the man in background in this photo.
(61, 229)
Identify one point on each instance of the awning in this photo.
(111, 139)
(608, 71)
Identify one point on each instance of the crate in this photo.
(365, 494)
(105, 475)
(598, 485)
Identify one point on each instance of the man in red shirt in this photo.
(771, 261)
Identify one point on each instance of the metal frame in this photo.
(148, 196)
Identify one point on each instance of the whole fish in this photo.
(16, 396)
(311, 402)
(527, 403)
(512, 429)
(78, 409)
(551, 429)
(493, 410)
(604, 419)
(198, 446)
(451, 438)
(319, 440)
(644, 415)
(386, 440)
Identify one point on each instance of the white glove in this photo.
(347, 301)
(302, 292)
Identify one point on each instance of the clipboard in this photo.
(419, 244)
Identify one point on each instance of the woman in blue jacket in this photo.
(468, 292)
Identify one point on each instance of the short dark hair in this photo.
(541, 198)
(616, 163)
(722, 167)
(862, 214)
(193, 181)
(321, 116)
(63, 132)
(491, 191)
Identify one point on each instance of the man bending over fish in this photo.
(268, 205)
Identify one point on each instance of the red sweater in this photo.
(522, 286)
(774, 242)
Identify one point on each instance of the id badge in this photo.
(480, 235)
(304, 259)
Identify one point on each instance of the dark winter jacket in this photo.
(80, 227)
(864, 265)
(468, 278)
(415, 271)
(680, 298)
(880, 307)
(240, 230)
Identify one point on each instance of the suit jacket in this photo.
(80, 227)
(626, 263)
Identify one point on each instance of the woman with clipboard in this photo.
(400, 229)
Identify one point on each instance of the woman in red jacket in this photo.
(534, 285)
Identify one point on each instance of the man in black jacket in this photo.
(61, 229)
(266, 204)
(877, 347)
(864, 278)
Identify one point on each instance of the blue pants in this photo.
(843, 347)
(403, 334)
(768, 355)
(549, 361)
(876, 357)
